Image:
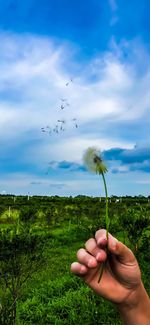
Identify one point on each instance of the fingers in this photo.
(100, 237)
(102, 241)
(88, 258)
(78, 269)
(92, 248)
(95, 252)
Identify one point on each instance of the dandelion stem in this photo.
(101, 269)
(94, 162)
(102, 266)
(107, 217)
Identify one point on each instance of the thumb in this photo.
(123, 253)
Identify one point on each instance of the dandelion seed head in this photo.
(93, 161)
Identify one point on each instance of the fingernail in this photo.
(98, 256)
(102, 241)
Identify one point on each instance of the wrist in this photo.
(136, 309)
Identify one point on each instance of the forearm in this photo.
(137, 311)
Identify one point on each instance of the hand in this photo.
(121, 276)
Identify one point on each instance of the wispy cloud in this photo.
(114, 7)
(113, 4)
(36, 183)
(109, 96)
(57, 186)
(33, 79)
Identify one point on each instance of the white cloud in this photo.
(35, 71)
(22, 183)
(70, 149)
(143, 181)
(107, 91)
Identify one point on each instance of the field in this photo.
(39, 237)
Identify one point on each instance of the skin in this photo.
(121, 280)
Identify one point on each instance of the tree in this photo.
(20, 256)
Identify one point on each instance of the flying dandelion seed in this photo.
(64, 104)
(63, 99)
(94, 163)
(68, 83)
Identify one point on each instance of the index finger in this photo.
(102, 241)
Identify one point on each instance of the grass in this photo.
(54, 296)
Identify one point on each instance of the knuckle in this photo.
(91, 247)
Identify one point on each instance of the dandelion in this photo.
(94, 163)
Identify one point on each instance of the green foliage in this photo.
(28, 214)
(39, 244)
(20, 257)
(69, 305)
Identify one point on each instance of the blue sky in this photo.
(74, 74)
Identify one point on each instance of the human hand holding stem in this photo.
(94, 163)
(121, 282)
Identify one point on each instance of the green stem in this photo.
(102, 266)
(101, 269)
(106, 194)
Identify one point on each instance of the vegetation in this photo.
(39, 237)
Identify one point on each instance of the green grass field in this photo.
(51, 294)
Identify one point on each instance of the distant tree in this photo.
(20, 256)
(28, 214)
(134, 221)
